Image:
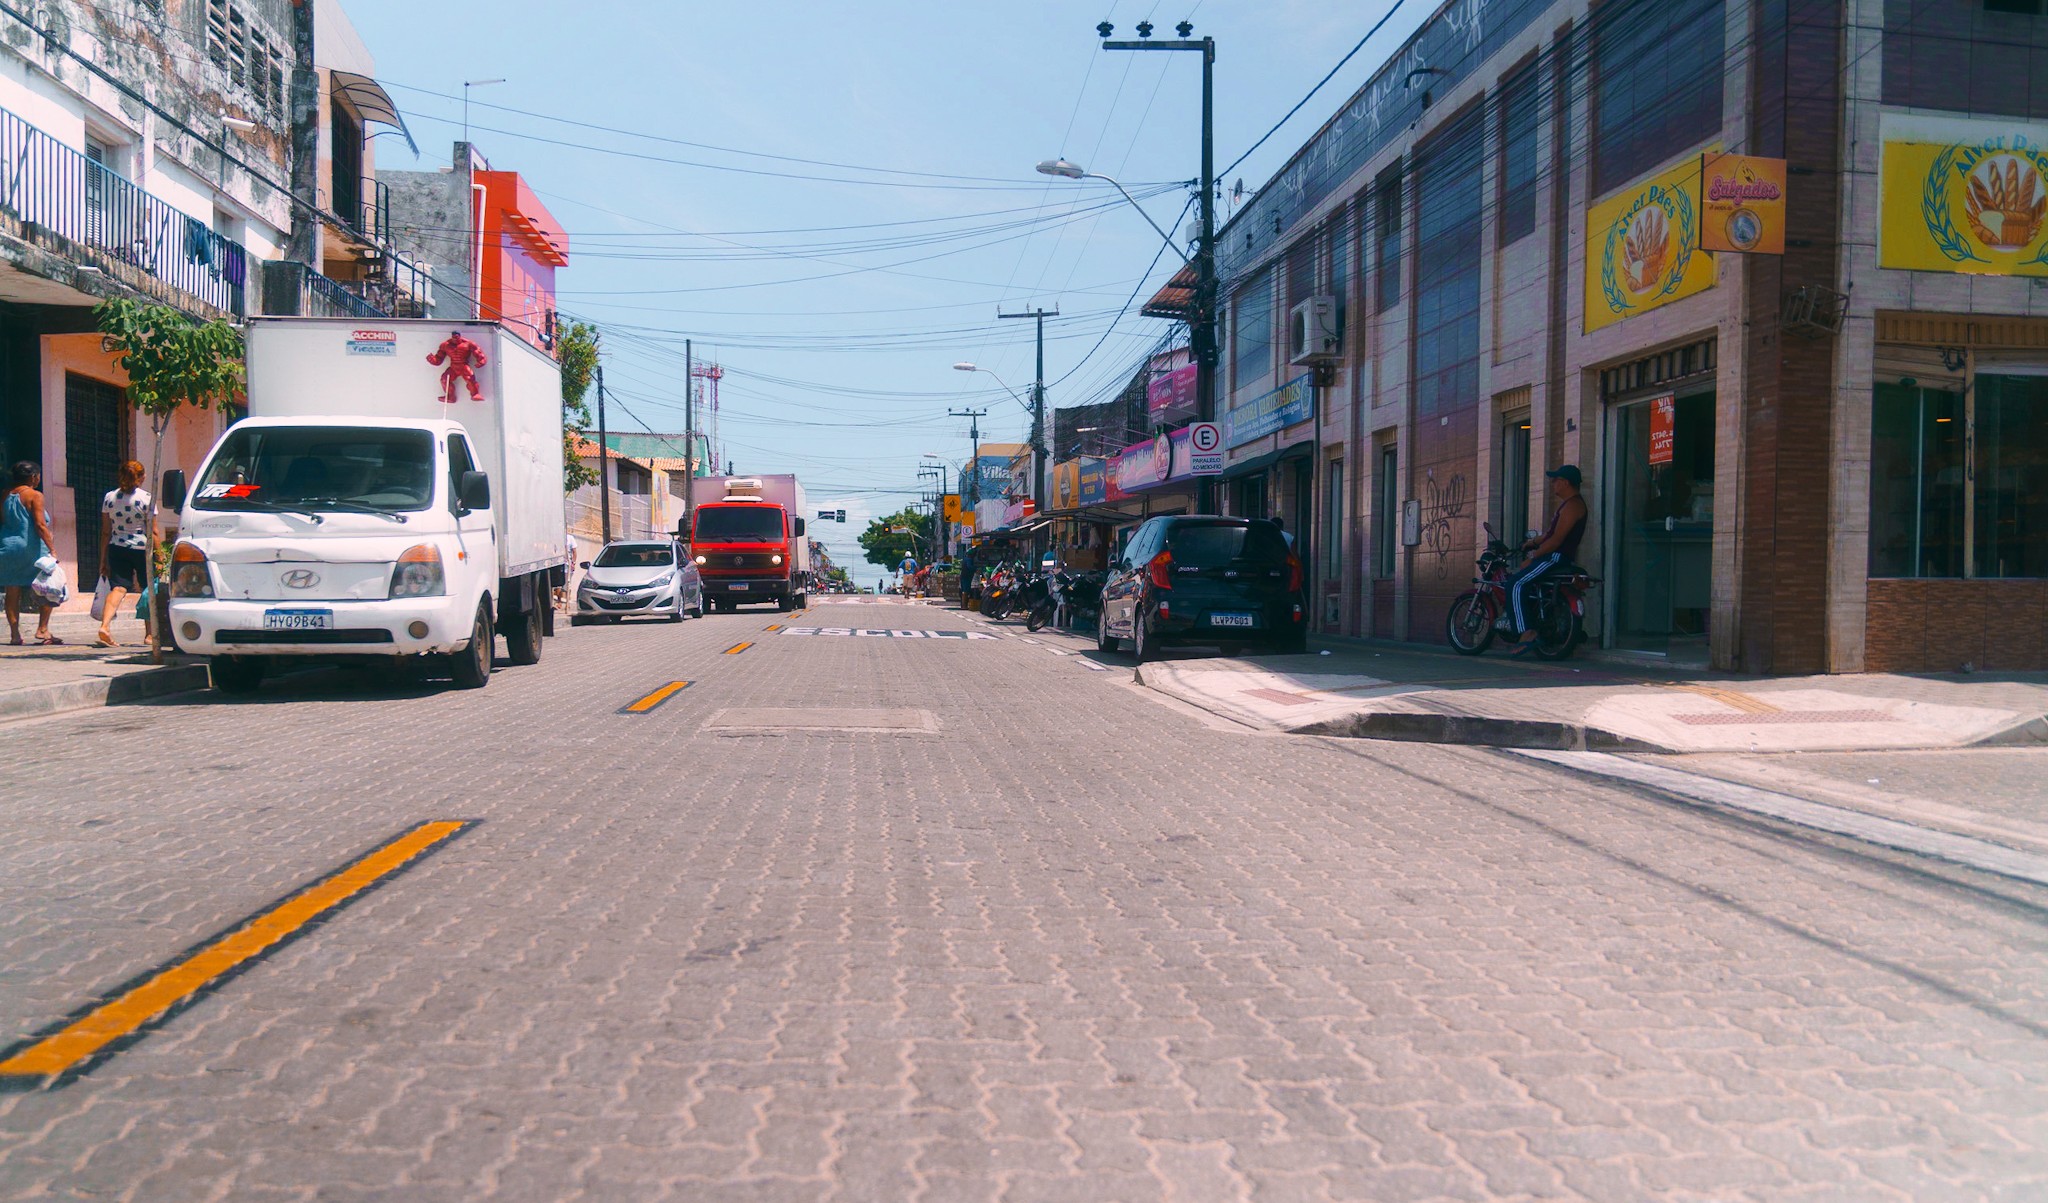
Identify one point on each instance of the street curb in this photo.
(2024, 733)
(1478, 731)
(39, 700)
(1471, 730)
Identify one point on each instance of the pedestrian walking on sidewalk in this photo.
(25, 538)
(128, 538)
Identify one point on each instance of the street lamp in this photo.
(1202, 320)
(1074, 171)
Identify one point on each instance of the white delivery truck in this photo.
(396, 491)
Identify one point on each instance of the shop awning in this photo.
(371, 102)
(1099, 515)
(1259, 463)
(1176, 300)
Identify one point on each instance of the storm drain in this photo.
(821, 718)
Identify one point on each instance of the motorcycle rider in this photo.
(1556, 550)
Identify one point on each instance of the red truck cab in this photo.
(750, 549)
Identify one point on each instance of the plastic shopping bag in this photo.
(143, 600)
(51, 585)
(99, 599)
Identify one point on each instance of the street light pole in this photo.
(970, 489)
(1202, 321)
(1037, 407)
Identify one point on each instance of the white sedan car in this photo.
(638, 579)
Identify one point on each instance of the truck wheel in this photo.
(471, 667)
(523, 637)
(235, 674)
(783, 603)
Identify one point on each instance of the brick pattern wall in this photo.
(1941, 625)
(1788, 386)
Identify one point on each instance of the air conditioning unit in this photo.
(1312, 333)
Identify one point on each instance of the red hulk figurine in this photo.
(463, 357)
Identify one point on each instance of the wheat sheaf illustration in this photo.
(1646, 249)
(2004, 202)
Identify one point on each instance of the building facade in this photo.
(150, 150)
(492, 246)
(1488, 263)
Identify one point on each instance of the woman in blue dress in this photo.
(25, 538)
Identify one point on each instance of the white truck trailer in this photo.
(396, 491)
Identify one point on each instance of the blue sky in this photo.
(838, 302)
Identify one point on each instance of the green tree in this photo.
(576, 353)
(172, 362)
(888, 539)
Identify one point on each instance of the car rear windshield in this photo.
(633, 555)
(1220, 544)
(319, 468)
(739, 524)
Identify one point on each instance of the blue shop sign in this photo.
(1094, 482)
(1292, 402)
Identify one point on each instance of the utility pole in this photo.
(604, 457)
(689, 439)
(303, 242)
(1038, 452)
(970, 489)
(1202, 321)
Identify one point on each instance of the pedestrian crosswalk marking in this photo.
(103, 1027)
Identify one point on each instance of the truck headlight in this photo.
(702, 560)
(775, 559)
(418, 573)
(189, 574)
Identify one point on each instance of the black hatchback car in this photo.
(1225, 582)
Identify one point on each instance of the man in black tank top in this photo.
(1554, 552)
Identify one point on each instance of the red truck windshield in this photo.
(739, 524)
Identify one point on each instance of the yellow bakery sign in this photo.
(1642, 247)
(1966, 206)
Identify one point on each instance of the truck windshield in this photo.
(739, 524)
(313, 468)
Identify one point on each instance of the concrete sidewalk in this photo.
(38, 680)
(1402, 691)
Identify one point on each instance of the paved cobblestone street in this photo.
(1063, 941)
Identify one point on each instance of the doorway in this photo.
(96, 429)
(1661, 491)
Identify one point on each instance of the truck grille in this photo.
(731, 562)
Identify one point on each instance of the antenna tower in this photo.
(714, 373)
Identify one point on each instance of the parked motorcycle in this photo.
(1555, 606)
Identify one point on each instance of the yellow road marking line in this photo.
(1747, 703)
(737, 648)
(126, 1014)
(657, 697)
(773, 626)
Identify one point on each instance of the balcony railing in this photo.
(329, 298)
(48, 184)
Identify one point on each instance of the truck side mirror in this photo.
(173, 492)
(799, 528)
(474, 493)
